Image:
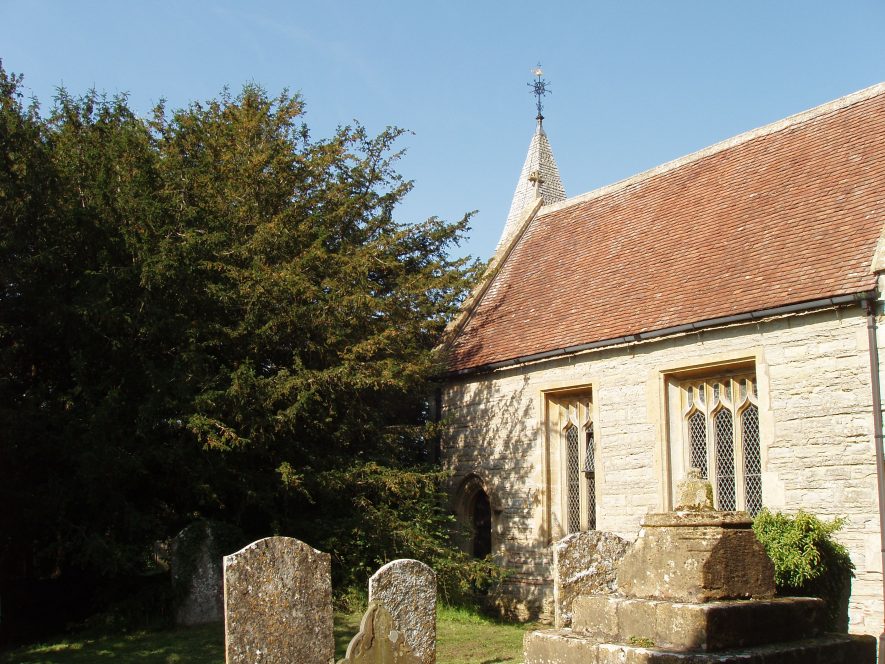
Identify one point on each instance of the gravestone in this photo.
(584, 563)
(407, 590)
(378, 641)
(278, 604)
(196, 575)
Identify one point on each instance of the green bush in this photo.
(808, 561)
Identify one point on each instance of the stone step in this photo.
(703, 627)
(563, 646)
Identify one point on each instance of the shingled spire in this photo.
(540, 175)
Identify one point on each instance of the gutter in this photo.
(750, 316)
(870, 306)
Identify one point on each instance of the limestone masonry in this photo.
(710, 314)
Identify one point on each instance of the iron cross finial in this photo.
(539, 88)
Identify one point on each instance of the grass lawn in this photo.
(463, 637)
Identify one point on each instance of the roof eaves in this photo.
(735, 319)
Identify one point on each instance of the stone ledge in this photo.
(565, 647)
(694, 518)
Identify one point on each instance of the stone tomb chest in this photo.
(696, 586)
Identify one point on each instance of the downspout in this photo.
(870, 306)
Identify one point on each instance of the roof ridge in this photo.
(771, 128)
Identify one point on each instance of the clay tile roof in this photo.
(785, 214)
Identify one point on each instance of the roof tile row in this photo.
(783, 217)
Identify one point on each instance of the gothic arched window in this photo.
(572, 417)
(721, 433)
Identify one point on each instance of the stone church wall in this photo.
(815, 422)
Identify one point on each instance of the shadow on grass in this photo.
(346, 627)
(464, 637)
(197, 645)
(194, 645)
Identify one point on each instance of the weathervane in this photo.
(539, 89)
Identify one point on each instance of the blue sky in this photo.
(635, 83)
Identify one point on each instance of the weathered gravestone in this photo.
(196, 575)
(407, 590)
(278, 604)
(378, 641)
(584, 563)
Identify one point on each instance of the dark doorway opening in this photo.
(482, 525)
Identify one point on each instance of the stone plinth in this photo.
(407, 590)
(564, 646)
(697, 588)
(703, 627)
(696, 557)
(583, 563)
(278, 604)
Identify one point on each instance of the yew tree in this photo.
(211, 313)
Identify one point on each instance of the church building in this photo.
(722, 311)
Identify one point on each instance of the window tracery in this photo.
(721, 427)
(578, 462)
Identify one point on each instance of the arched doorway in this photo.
(481, 520)
(474, 510)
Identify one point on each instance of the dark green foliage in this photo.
(209, 314)
(808, 561)
(387, 514)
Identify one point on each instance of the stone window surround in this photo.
(700, 413)
(670, 417)
(553, 458)
(657, 400)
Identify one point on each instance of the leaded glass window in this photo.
(697, 436)
(752, 459)
(724, 431)
(575, 461)
(590, 474)
(573, 479)
(722, 440)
